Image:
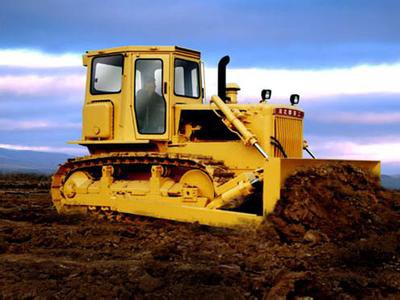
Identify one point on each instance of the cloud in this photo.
(41, 85)
(357, 117)
(385, 149)
(11, 124)
(33, 72)
(67, 150)
(28, 58)
(272, 32)
(311, 84)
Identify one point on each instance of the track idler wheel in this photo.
(200, 180)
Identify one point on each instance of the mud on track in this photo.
(341, 240)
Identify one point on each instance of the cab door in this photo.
(151, 96)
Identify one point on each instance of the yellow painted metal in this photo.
(257, 120)
(110, 127)
(145, 49)
(98, 120)
(234, 195)
(232, 118)
(167, 210)
(200, 180)
(146, 198)
(258, 117)
(232, 92)
(289, 132)
(123, 123)
(235, 154)
(107, 142)
(233, 192)
(77, 183)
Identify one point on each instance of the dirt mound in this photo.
(335, 203)
(44, 255)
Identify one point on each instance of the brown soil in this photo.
(334, 234)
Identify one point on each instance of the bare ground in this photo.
(334, 234)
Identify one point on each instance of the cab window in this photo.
(106, 74)
(150, 107)
(186, 78)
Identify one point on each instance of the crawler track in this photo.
(217, 171)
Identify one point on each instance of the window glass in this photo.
(186, 78)
(150, 107)
(107, 74)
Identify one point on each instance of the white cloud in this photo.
(67, 150)
(28, 58)
(357, 117)
(311, 84)
(385, 149)
(10, 124)
(42, 85)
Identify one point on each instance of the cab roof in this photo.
(152, 49)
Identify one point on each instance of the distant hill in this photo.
(30, 161)
(391, 182)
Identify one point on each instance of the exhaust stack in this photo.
(222, 77)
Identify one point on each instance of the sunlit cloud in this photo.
(311, 84)
(28, 58)
(9, 124)
(42, 85)
(357, 117)
(386, 150)
(68, 150)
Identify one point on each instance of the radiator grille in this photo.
(289, 132)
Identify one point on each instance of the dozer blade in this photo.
(276, 170)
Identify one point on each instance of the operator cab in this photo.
(131, 92)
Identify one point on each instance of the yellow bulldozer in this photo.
(158, 148)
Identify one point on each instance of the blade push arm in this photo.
(232, 193)
(231, 118)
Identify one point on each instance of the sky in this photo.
(342, 57)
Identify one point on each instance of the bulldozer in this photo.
(158, 148)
